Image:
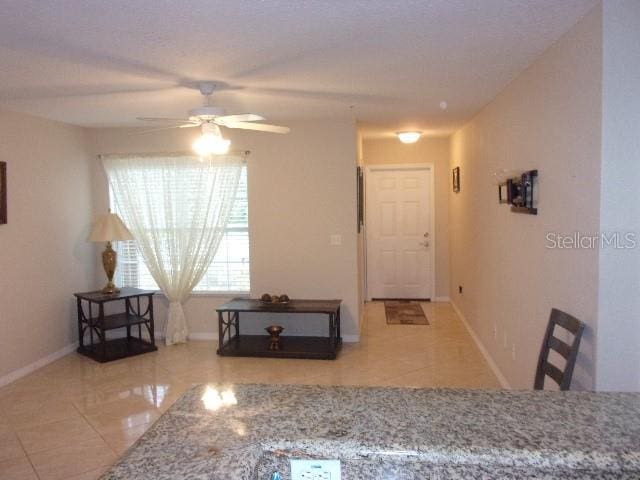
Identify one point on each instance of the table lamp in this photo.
(109, 228)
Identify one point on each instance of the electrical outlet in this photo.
(315, 469)
(335, 239)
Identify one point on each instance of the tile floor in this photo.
(74, 417)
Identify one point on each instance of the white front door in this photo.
(399, 237)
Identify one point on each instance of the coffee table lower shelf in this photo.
(117, 348)
(317, 348)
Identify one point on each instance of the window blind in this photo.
(229, 270)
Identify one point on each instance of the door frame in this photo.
(368, 170)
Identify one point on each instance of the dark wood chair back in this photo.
(568, 352)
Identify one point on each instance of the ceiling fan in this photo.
(210, 118)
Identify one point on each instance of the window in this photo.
(229, 270)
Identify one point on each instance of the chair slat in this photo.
(560, 347)
(566, 321)
(554, 372)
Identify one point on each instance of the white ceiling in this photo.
(387, 63)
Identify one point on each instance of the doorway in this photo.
(400, 231)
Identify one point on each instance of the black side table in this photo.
(233, 344)
(95, 325)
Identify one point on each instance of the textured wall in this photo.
(44, 252)
(619, 316)
(549, 118)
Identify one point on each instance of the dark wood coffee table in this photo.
(232, 343)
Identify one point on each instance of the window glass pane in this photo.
(229, 270)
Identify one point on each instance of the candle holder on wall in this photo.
(519, 192)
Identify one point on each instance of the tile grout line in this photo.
(117, 457)
(27, 455)
(24, 450)
(100, 435)
(84, 417)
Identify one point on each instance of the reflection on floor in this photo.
(74, 417)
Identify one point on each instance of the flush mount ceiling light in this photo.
(409, 137)
(211, 141)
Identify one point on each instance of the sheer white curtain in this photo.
(177, 208)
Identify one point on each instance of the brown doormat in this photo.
(404, 312)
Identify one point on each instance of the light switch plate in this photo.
(315, 469)
(335, 239)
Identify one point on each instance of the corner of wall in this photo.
(504, 383)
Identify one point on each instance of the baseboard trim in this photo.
(203, 336)
(194, 337)
(485, 353)
(442, 299)
(32, 367)
(208, 336)
(396, 299)
(350, 338)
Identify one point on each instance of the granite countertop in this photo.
(249, 431)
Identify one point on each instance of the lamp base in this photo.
(110, 289)
(109, 262)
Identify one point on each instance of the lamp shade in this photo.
(109, 228)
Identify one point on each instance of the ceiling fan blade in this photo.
(153, 130)
(243, 117)
(165, 120)
(258, 126)
(189, 125)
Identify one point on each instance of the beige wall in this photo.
(44, 253)
(618, 324)
(302, 189)
(549, 119)
(436, 150)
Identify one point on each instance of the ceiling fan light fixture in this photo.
(207, 118)
(409, 137)
(211, 141)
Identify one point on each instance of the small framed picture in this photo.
(503, 193)
(360, 200)
(456, 179)
(3, 192)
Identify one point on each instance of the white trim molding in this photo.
(442, 299)
(26, 370)
(195, 337)
(203, 336)
(209, 336)
(485, 353)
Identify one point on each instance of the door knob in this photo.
(426, 235)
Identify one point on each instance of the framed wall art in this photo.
(360, 193)
(3, 193)
(456, 179)
(519, 192)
